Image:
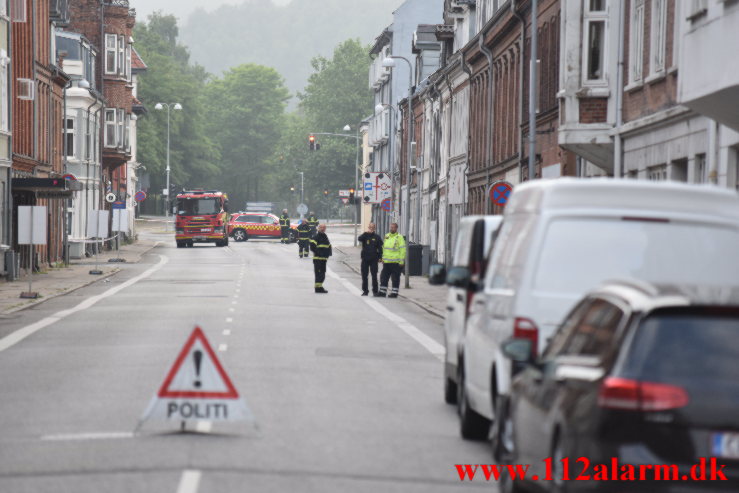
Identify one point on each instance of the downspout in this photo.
(489, 133)
(466, 69)
(65, 162)
(618, 141)
(90, 151)
(533, 87)
(35, 83)
(447, 214)
(520, 89)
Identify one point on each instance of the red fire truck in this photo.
(202, 216)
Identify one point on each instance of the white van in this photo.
(471, 247)
(561, 238)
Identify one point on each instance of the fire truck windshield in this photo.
(198, 207)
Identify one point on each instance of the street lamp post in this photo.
(378, 109)
(159, 107)
(389, 62)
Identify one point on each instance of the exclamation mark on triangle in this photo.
(198, 357)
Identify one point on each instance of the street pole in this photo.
(356, 188)
(168, 201)
(409, 132)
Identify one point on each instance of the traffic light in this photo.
(325, 193)
(172, 191)
(351, 195)
(292, 189)
(312, 144)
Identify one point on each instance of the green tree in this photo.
(246, 116)
(170, 78)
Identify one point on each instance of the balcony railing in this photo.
(59, 11)
(117, 3)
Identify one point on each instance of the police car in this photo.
(243, 226)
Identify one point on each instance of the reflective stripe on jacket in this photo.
(284, 221)
(321, 247)
(303, 231)
(393, 249)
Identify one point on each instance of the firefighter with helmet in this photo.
(313, 223)
(284, 227)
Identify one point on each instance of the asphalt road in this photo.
(346, 391)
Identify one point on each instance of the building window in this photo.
(111, 54)
(121, 123)
(636, 42)
(659, 36)
(657, 173)
(121, 56)
(4, 115)
(110, 128)
(595, 27)
(698, 8)
(128, 62)
(69, 137)
(127, 133)
(701, 173)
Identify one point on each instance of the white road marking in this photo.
(20, 334)
(226, 332)
(189, 481)
(236, 296)
(232, 309)
(234, 302)
(229, 320)
(237, 291)
(419, 336)
(223, 347)
(204, 426)
(87, 436)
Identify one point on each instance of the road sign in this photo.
(97, 224)
(110, 198)
(302, 209)
(387, 205)
(120, 219)
(118, 204)
(70, 176)
(32, 225)
(140, 196)
(344, 193)
(377, 187)
(197, 387)
(345, 200)
(500, 192)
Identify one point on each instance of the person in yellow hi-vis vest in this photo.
(393, 259)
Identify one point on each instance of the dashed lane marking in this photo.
(189, 481)
(20, 334)
(229, 320)
(226, 332)
(223, 347)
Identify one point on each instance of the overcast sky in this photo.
(182, 8)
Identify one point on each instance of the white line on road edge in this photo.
(189, 481)
(419, 336)
(87, 436)
(226, 332)
(229, 320)
(232, 309)
(20, 334)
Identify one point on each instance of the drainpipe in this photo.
(447, 215)
(491, 100)
(466, 68)
(87, 135)
(533, 86)
(618, 141)
(65, 161)
(520, 89)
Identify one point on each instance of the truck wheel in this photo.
(180, 244)
(190, 244)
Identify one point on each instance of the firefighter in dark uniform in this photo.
(313, 223)
(284, 227)
(321, 248)
(303, 239)
(371, 255)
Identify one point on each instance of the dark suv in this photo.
(638, 374)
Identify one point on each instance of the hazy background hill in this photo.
(284, 37)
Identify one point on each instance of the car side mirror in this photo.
(437, 274)
(458, 277)
(518, 350)
(276, 222)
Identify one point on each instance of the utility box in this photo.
(418, 259)
(12, 265)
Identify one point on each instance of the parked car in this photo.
(561, 238)
(639, 373)
(474, 239)
(257, 225)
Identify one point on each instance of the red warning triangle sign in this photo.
(197, 373)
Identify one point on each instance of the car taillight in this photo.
(524, 328)
(633, 395)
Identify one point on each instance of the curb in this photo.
(419, 304)
(37, 302)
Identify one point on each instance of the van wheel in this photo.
(190, 244)
(472, 426)
(239, 235)
(559, 485)
(502, 442)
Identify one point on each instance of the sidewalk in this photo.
(430, 298)
(54, 282)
